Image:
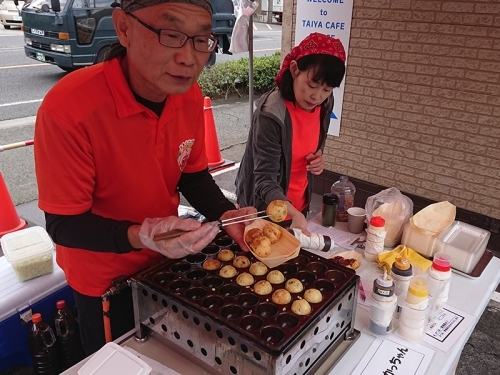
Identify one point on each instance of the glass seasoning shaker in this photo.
(329, 209)
(344, 190)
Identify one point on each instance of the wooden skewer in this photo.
(168, 235)
(176, 232)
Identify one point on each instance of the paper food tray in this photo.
(288, 247)
(113, 359)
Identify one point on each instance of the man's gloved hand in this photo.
(196, 238)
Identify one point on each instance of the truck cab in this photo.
(76, 33)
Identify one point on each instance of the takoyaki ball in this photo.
(244, 279)
(262, 287)
(276, 210)
(294, 286)
(261, 246)
(272, 231)
(258, 269)
(225, 255)
(251, 234)
(281, 297)
(211, 264)
(241, 261)
(227, 272)
(275, 277)
(313, 295)
(301, 307)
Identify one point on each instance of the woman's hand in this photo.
(237, 231)
(315, 162)
(298, 220)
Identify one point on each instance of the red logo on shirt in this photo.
(184, 152)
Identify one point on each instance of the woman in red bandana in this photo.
(285, 145)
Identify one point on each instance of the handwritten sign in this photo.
(330, 17)
(388, 357)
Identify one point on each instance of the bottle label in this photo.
(383, 292)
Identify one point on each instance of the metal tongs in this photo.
(221, 224)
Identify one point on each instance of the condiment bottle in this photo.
(439, 283)
(68, 337)
(382, 305)
(401, 272)
(414, 313)
(344, 190)
(329, 209)
(42, 343)
(375, 236)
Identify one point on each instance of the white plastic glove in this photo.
(196, 238)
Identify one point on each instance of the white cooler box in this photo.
(18, 300)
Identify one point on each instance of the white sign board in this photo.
(330, 17)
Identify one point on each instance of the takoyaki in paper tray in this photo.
(286, 248)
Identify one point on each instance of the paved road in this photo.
(25, 81)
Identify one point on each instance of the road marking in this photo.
(19, 103)
(255, 27)
(11, 48)
(269, 27)
(225, 170)
(23, 66)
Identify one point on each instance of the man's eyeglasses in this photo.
(176, 39)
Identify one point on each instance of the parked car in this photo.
(10, 14)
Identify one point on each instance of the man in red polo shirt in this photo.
(115, 143)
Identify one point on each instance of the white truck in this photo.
(273, 14)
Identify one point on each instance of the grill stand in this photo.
(222, 351)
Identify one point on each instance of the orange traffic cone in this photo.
(211, 140)
(9, 220)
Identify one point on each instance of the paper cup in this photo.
(356, 219)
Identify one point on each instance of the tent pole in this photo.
(250, 62)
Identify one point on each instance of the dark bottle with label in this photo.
(42, 343)
(68, 337)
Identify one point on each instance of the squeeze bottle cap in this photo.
(377, 221)
(441, 262)
(402, 264)
(61, 304)
(418, 287)
(36, 318)
(385, 280)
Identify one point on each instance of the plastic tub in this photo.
(464, 243)
(29, 251)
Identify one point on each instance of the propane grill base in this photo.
(224, 351)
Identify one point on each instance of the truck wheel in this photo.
(211, 60)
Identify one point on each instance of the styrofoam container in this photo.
(464, 243)
(29, 251)
(113, 359)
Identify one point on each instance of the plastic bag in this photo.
(239, 39)
(395, 208)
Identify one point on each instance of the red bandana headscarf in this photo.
(314, 44)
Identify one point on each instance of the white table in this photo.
(466, 294)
